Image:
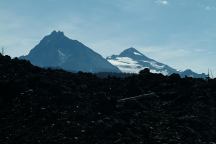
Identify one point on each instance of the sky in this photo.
(179, 33)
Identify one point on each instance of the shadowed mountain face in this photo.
(56, 50)
(132, 61)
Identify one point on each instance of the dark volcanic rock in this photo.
(43, 106)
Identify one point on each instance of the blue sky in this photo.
(180, 33)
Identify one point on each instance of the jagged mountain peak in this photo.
(57, 50)
(55, 35)
(131, 49)
(57, 32)
(131, 52)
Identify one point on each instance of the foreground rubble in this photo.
(41, 106)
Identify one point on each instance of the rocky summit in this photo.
(58, 51)
(41, 106)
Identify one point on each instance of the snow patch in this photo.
(62, 57)
(155, 64)
(164, 72)
(136, 53)
(61, 53)
(128, 65)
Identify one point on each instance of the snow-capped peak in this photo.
(132, 61)
(131, 52)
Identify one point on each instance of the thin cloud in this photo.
(209, 8)
(162, 2)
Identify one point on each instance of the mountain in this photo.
(190, 73)
(57, 50)
(132, 61)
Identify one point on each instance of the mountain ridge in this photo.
(132, 61)
(57, 50)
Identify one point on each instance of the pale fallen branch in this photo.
(149, 95)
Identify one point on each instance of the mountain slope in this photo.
(190, 73)
(56, 50)
(132, 61)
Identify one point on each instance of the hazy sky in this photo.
(180, 33)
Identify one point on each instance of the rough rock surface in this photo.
(42, 106)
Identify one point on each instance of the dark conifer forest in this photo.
(42, 106)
